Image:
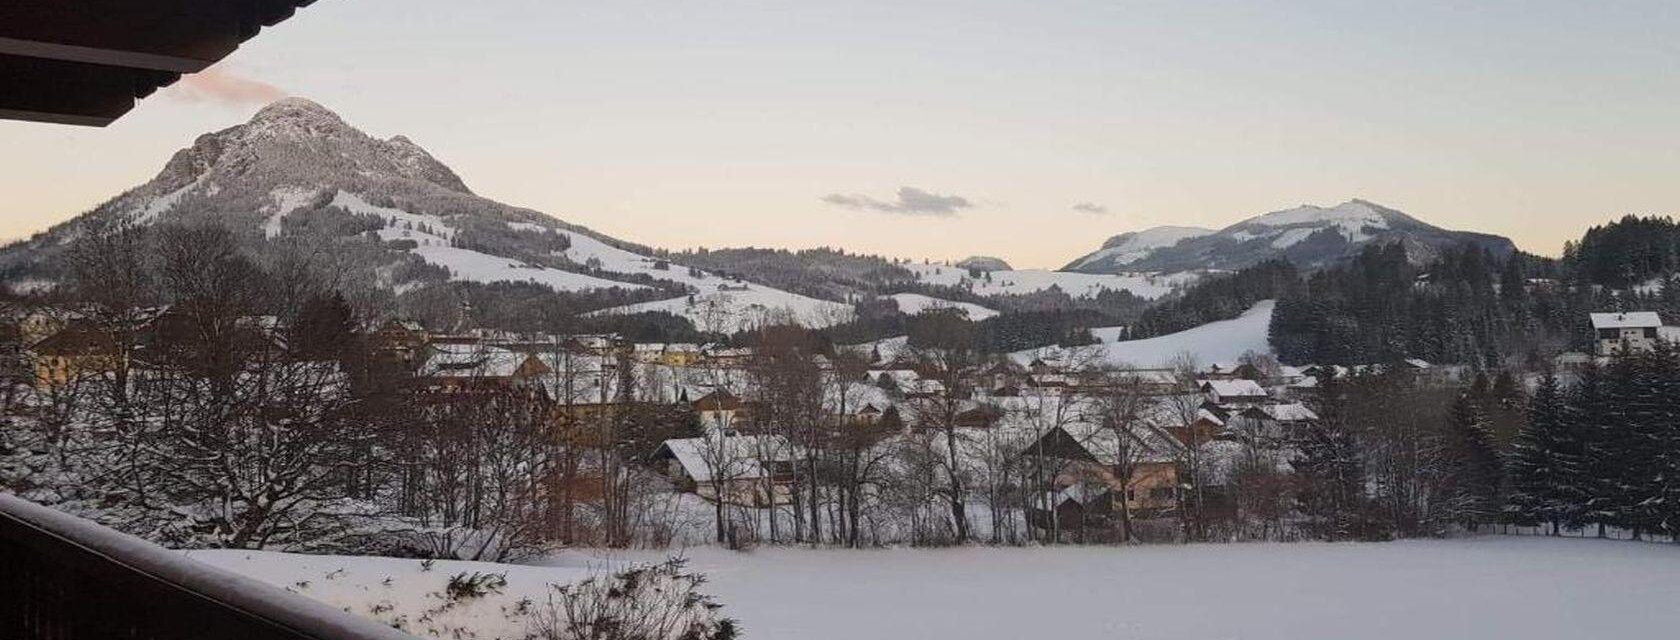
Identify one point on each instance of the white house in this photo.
(1629, 331)
(1234, 391)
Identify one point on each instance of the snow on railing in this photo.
(66, 578)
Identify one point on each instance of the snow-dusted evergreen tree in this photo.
(1468, 466)
(1330, 471)
(1636, 418)
(1547, 466)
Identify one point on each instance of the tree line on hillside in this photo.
(1468, 307)
(1219, 297)
(824, 273)
(1626, 252)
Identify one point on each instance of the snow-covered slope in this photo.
(741, 306)
(1147, 286)
(1307, 235)
(915, 303)
(1133, 246)
(1223, 341)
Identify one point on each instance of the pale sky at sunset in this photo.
(943, 129)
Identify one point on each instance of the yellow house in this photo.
(680, 355)
(73, 352)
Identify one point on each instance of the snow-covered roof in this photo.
(1150, 376)
(1292, 412)
(1234, 388)
(1149, 444)
(729, 457)
(1626, 320)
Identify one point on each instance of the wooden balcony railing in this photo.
(65, 578)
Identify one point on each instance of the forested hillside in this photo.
(1468, 307)
(1219, 297)
(830, 274)
(1628, 252)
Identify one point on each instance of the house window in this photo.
(1607, 334)
(1161, 493)
(1651, 333)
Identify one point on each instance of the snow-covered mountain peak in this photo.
(296, 143)
(1355, 219)
(295, 108)
(298, 171)
(1309, 235)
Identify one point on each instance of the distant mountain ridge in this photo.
(1309, 236)
(406, 222)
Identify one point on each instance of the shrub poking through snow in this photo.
(657, 602)
(465, 586)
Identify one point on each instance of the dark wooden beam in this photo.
(80, 93)
(183, 36)
(86, 61)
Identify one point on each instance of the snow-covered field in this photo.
(749, 306)
(1030, 280)
(914, 303)
(1490, 587)
(1222, 341)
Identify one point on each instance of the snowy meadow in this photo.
(1486, 587)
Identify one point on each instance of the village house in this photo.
(1624, 332)
(1085, 490)
(1269, 425)
(721, 412)
(73, 351)
(1236, 391)
(753, 470)
(728, 357)
(402, 341)
(472, 367)
(681, 354)
(1153, 381)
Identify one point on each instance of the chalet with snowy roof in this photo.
(721, 412)
(471, 367)
(1623, 332)
(1229, 371)
(728, 357)
(599, 344)
(1152, 381)
(1238, 391)
(754, 470)
(1090, 458)
(1051, 383)
(1270, 424)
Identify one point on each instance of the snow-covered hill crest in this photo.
(1307, 235)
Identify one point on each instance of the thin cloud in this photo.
(909, 201)
(1091, 208)
(222, 86)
